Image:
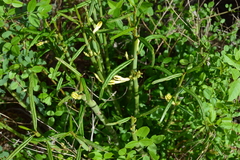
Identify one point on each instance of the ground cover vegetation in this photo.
(126, 79)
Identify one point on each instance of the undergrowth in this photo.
(132, 79)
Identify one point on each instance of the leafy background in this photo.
(127, 79)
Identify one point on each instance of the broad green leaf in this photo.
(51, 121)
(37, 69)
(95, 155)
(146, 8)
(230, 61)
(131, 154)
(113, 73)
(48, 101)
(43, 10)
(235, 73)
(122, 151)
(31, 5)
(167, 78)
(15, 40)
(50, 113)
(6, 34)
(143, 131)
(152, 150)
(213, 113)
(146, 157)
(34, 20)
(108, 155)
(44, 2)
(15, 50)
(167, 60)
(13, 85)
(183, 62)
(234, 90)
(112, 4)
(7, 1)
(17, 4)
(226, 123)
(157, 139)
(11, 75)
(6, 47)
(237, 53)
(145, 142)
(131, 144)
(207, 93)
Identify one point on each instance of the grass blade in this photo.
(150, 47)
(19, 148)
(200, 104)
(31, 100)
(163, 70)
(49, 151)
(125, 32)
(124, 120)
(84, 141)
(78, 74)
(167, 78)
(113, 73)
(165, 111)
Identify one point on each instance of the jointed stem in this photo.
(135, 79)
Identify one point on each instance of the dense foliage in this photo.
(126, 79)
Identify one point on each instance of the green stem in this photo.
(135, 79)
(133, 128)
(96, 109)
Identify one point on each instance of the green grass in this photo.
(119, 80)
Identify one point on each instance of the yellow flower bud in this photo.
(168, 97)
(75, 95)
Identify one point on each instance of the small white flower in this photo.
(98, 26)
(118, 79)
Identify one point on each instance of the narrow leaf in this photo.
(78, 74)
(113, 73)
(150, 47)
(19, 148)
(165, 111)
(198, 100)
(167, 78)
(125, 32)
(49, 151)
(124, 120)
(31, 100)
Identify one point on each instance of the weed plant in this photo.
(127, 79)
